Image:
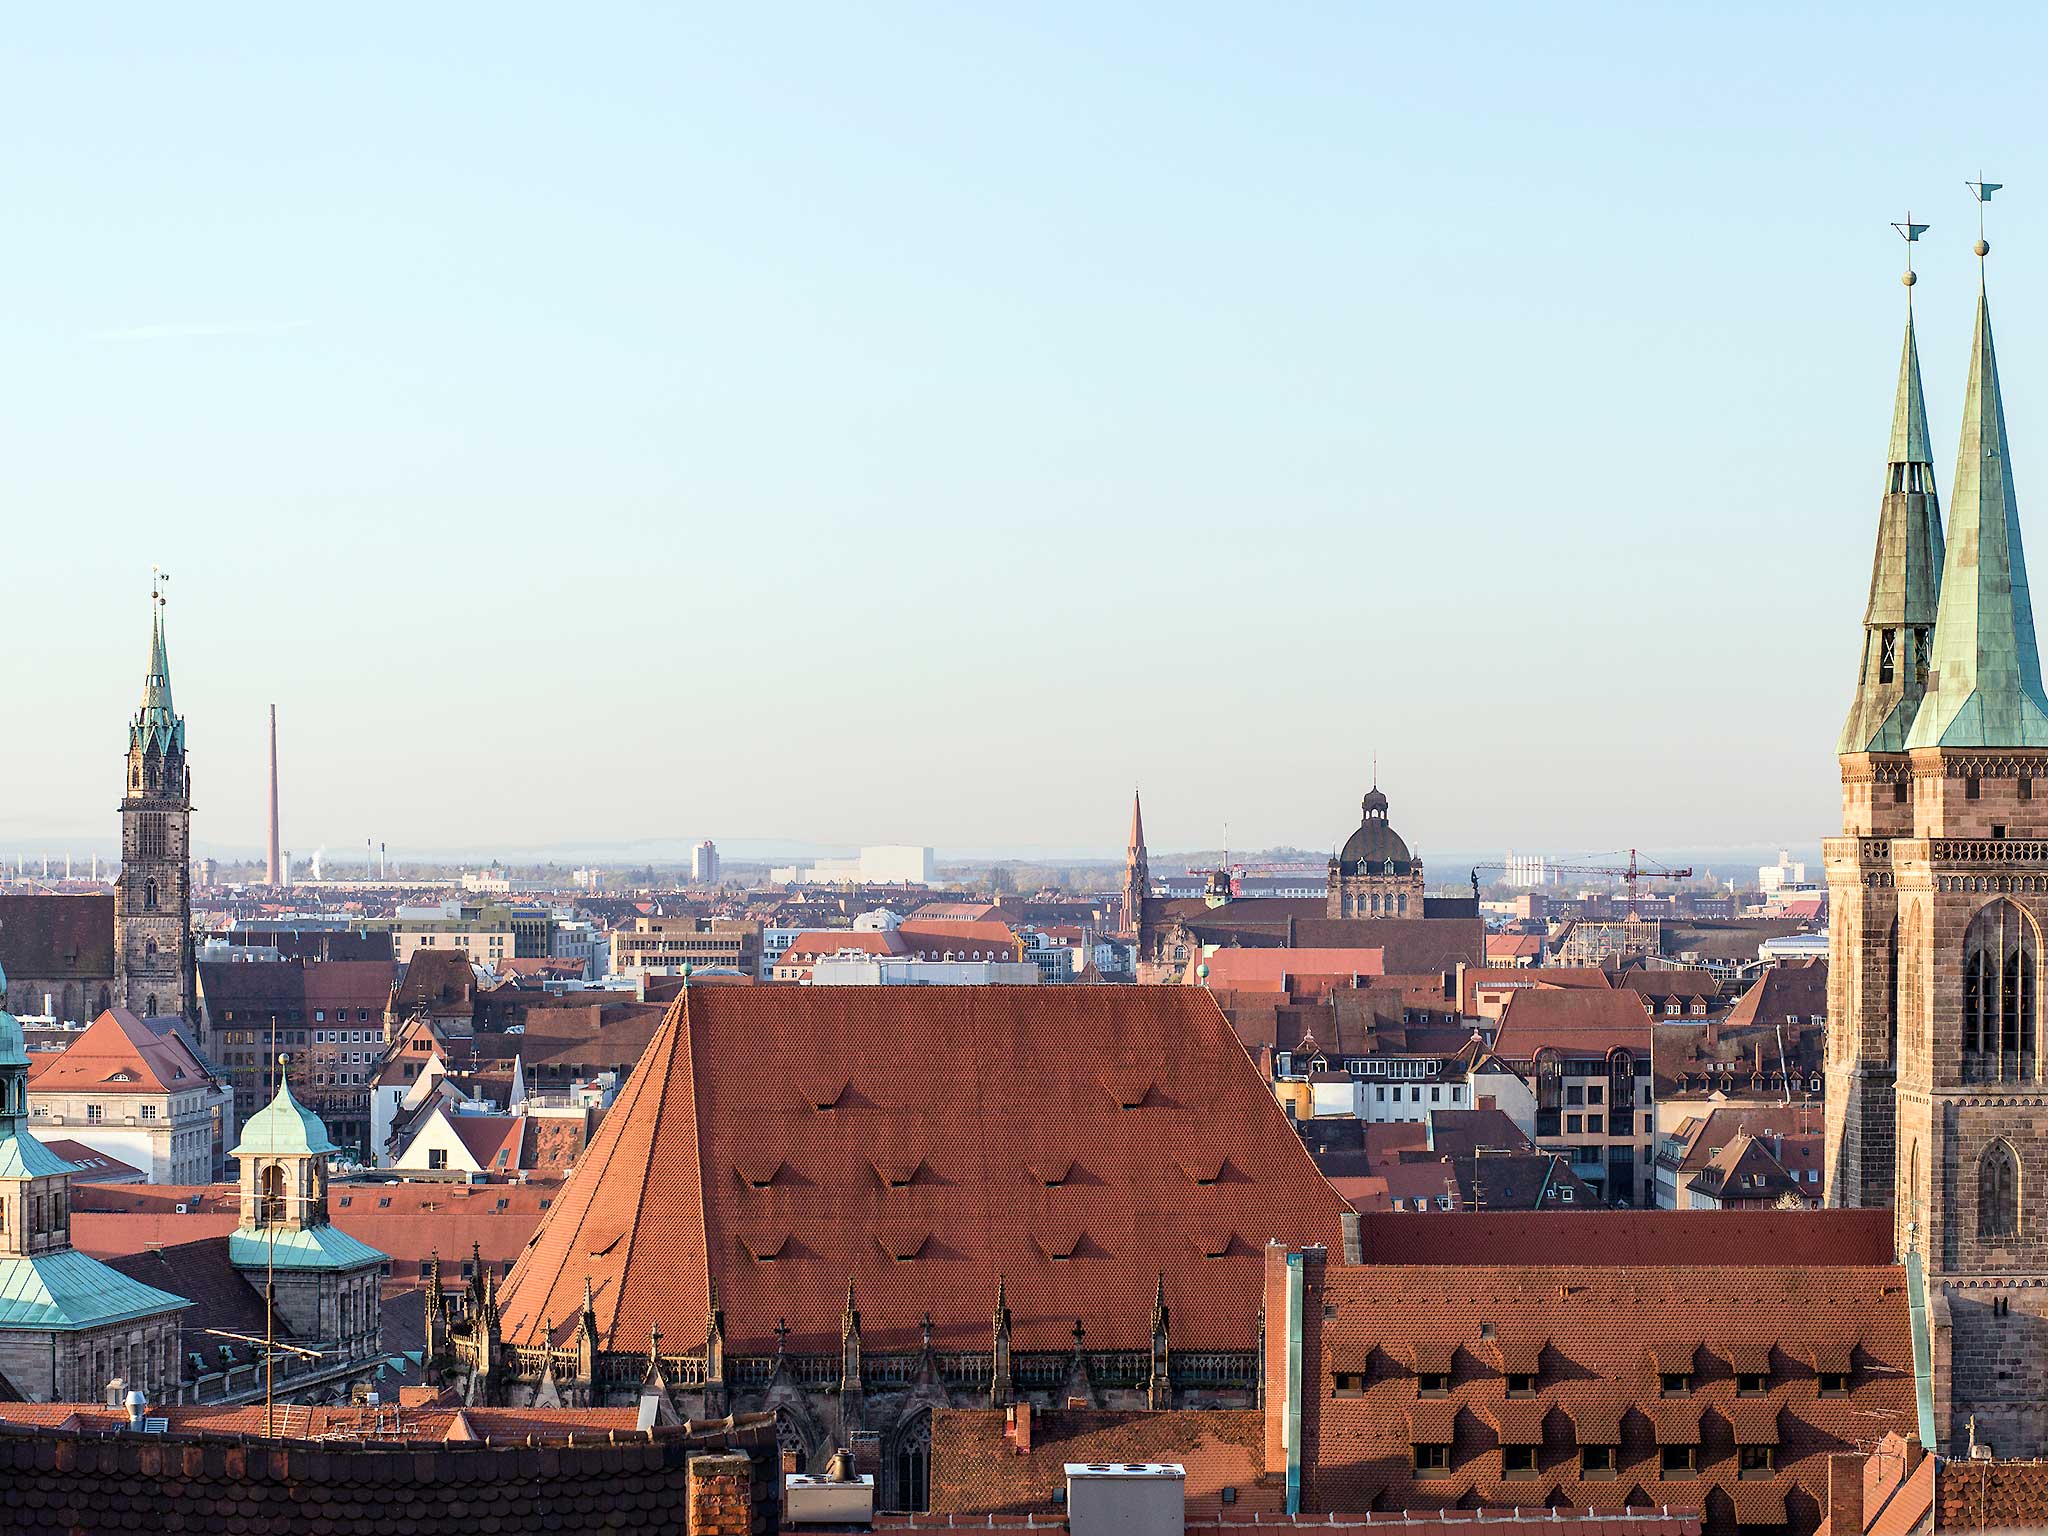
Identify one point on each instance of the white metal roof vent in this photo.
(1126, 1498)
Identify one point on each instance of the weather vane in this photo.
(1982, 190)
(1910, 233)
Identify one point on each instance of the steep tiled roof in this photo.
(1266, 970)
(932, 940)
(442, 981)
(47, 938)
(1595, 1378)
(118, 1053)
(977, 1468)
(943, 1109)
(1816, 1239)
(1576, 1023)
(2009, 1496)
(1791, 989)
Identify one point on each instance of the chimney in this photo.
(1845, 1495)
(138, 1410)
(1020, 1427)
(270, 877)
(115, 1390)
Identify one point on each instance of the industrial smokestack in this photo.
(273, 870)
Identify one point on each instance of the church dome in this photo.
(1375, 846)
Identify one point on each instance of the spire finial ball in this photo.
(1983, 247)
(1910, 278)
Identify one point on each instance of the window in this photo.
(1432, 1383)
(1679, 1460)
(1565, 1194)
(270, 1192)
(1348, 1384)
(1756, 1460)
(1518, 1461)
(1750, 1383)
(1970, 787)
(1596, 1461)
(149, 1111)
(1575, 1094)
(1594, 1093)
(2000, 966)
(1432, 1459)
(1833, 1383)
(1998, 1193)
(1572, 1124)
(1521, 1384)
(437, 1157)
(1887, 655)
(1675, 1383)
(95, 1113)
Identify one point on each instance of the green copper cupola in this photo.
(1984, 689)
(1905, 578)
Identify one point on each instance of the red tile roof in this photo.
(93, 1164)
(1583, 1022)
(50, 938)
(1817, 1239)
(987, 938)
(981, 1088)
(1269, 970)
(118, 1053)
(1594, 1378)
(977, 1468)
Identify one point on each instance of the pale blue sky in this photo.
(916, 423)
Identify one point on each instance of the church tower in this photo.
(1898, 633)
(1137, 872)
(1970, 880)
(153, 902)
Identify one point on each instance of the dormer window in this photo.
(1521, 1384)
(1432, 1383)
(1751, 1383)
(1834, 1383)
(1674, 1383)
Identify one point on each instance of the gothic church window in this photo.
(149, 895)
(1998, 1193)
(914, 1464)
(2001, 967)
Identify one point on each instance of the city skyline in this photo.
(471, 498)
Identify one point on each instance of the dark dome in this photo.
(1375, 843)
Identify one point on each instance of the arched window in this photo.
(914, 1464)
(2001, 965)
(106, 998)
(1998, 1193)
(149, 1006)
(789, 1438)
(1891, 988)
(149, 895)
(271, 1185)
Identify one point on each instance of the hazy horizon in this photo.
(919, 426)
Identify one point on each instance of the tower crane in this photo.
(1628, 874)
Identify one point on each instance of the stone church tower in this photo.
(1954, 838)
(1898, 630)
(153, 902)
(1137, 872)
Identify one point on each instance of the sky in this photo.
(920, 423)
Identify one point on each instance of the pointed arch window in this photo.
(914, 1463)
(149, 895)
(1998, 1193)
(1887, 655)
(2001, 1001)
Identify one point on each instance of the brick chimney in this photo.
(1020, 1427)
(1845, 1495)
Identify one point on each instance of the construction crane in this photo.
(1628, 874)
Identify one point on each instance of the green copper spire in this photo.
(1985, 688)
(1905, 578)
(156, 723)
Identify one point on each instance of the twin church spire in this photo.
(1950, 657)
